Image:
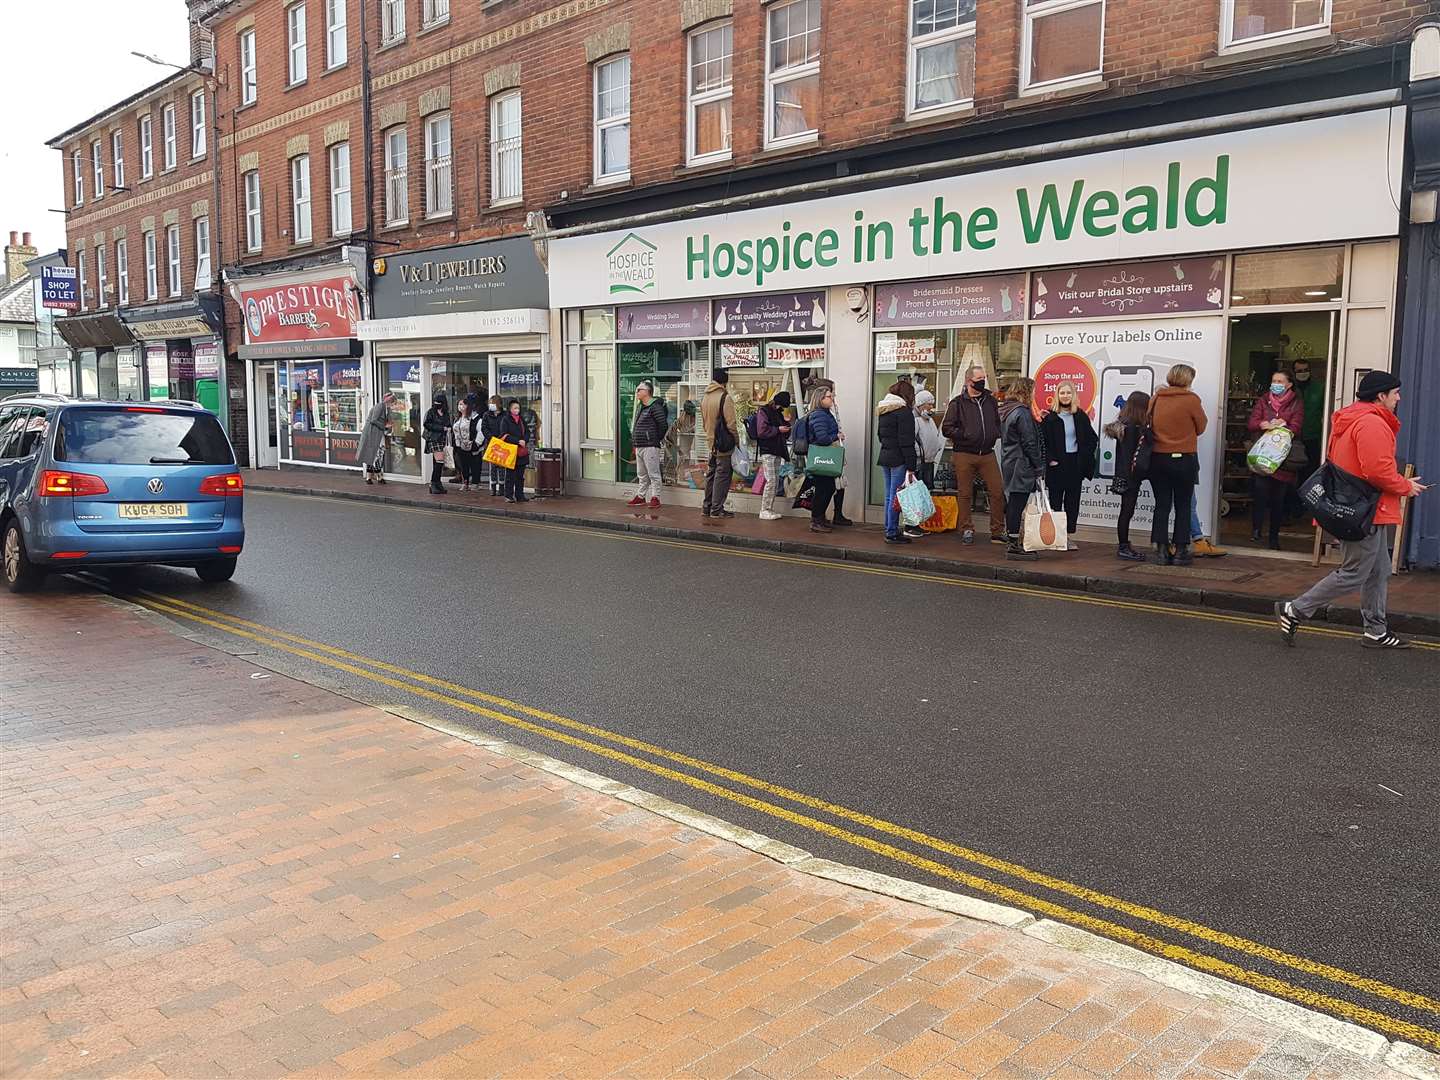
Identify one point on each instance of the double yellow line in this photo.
(583, 736)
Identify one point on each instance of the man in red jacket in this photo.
(1362, 442)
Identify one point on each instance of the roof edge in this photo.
(177, 76)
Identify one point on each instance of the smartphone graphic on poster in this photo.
(1116, 384)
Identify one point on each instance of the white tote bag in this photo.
(1044, 529)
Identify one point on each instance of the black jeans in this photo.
(1127, 512)
(1269, 499)
(1015, 511)
(1063, 481)
(821, 496)
(515, 480)
(467, 466)
(1172, 478)
(927, 474)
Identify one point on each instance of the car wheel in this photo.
(21, 575)
(216, 571)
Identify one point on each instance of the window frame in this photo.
(202, 252)
(706, 97)
(147, 146)
(80, 276)
(431, 15)
(249, 69)
(77, 167)
(392, 21)
(297, 40)
(598, 125)
(152, 266)
(122, 272)
(254, 213)
(117, 157)
(336, 57)
(914, 44)
(436, 163)
(174, 280)
(1043, 9)
(100, 276)
(397, 172)
(497, 149)
(199, 143)
(168, 136)
(300, 201)
(97, 168)
(792, 74)
(1230, 44)
(335, 190)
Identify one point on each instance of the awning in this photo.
(197, 316)
(103, 330)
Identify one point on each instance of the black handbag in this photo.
(1341, 503)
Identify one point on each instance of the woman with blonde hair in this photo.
(1022, 459)
(1177, 419)
(1070, 445)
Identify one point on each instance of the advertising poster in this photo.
(735, 354)
(1107, 362)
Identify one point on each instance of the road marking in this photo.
(858, 568)
(274, 638)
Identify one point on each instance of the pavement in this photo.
(1237, 582)
(212, 869)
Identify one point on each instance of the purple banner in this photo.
(951, 301)
(778, 313)
(663, 322)
(1163, 287)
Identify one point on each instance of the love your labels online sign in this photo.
(1312, 181)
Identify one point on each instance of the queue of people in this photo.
(461, 440)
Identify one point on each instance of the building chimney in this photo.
(14, 237)
(16, 256)
(26, 241)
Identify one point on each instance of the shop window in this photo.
(299, 65)
(792, 67)
(439, 183)
(597, 324)
(711, 88)
(117, 157)
(336, 28)
(167, 132)
(402, 378)
(197, 124)
(249, 83)
(122, 272)
(612, 120)
(942, 55)
(505, 160)
(340, 216)
(254, 231)
(300, 198)
(1063, 43)
(1250, 24)
(1307, 276)
(397, 177)
(97, 164)
(1372, 272)
(600, 392)
(147, 148)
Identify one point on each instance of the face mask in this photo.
(494, 407)
(979, 384)
(1277, 388)
(1302, 376)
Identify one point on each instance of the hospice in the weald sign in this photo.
(1048, 213)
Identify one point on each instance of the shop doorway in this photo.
(267, 438)
(402, 378)
(1302, 345)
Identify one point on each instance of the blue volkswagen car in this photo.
(114, 483)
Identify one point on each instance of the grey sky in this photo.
(50, 87)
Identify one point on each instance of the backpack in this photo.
(752, 426)
(724, 442)
(800, 436)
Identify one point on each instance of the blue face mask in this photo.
(1277, 388)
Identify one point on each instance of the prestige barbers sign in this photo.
(493, 275)
(1211, 193)
(304, 311)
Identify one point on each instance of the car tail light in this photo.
(230, 550)
(228, 484)
(70, 484)
(141, 408)
(69, 554)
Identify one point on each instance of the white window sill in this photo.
(342, 235)
(709, 161)
(442, 215)
(296, 83)
(1255, 51)
(613, 180)
(940, 112)
(1273, 41)
(425, 28)
(336, 67)
(793, 142)
(389, 225)
(392, 43)
(1076, 85)
(506, 204)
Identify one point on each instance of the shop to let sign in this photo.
(59, 288)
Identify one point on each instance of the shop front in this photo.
(466, 320)
(306, 365)
(1102, 270)
(99, 344)
(177, 357)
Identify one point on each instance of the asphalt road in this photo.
(1288, 796)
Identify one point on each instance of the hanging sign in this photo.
(783, 354)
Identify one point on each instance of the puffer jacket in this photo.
(821, 427)
(1022, 451)
(491, 424)
(896, 430)
(652, 421)
(929, 443)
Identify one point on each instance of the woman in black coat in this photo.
(895, 427)
(1126, 430)
(490, 424)
(437, 436)
(1070, 444)
(514, 429)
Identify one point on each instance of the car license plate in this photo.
(154, 510)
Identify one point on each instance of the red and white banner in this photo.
(325, 309)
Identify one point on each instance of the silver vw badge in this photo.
(156, 485)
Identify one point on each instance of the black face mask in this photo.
(978, 384)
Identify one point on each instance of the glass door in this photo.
(267, 440)
(402, 378)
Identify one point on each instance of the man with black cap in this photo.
(1362, 442)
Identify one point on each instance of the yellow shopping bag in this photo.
(502, 454)
(946, 516)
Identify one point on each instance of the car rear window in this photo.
(127, 436)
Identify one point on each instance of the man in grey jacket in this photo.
(647, 436)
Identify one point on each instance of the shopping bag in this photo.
(758, 487)
(946, 516)
(916, 505)
(1044, 529)
(1270, 451)
(825, 460)
(501, 453)
(740, 461)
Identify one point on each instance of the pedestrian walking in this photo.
(1071, 443)
(1022, 460)
(375, 440)
(1281, 407)
(1126, 430)
(492, 424)
(837, 518)
(1362, 443)
(1177, 419)
(774, 431)
(437, 437)
(466, 438)
(820, 428)
(972, 424)
(717, 415)
(929, 443)
(647, 436)
(895, 428)
(514, 429)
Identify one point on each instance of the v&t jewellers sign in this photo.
(493, 275)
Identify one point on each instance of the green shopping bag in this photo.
(825, 460)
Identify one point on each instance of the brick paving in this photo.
(210, 874)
